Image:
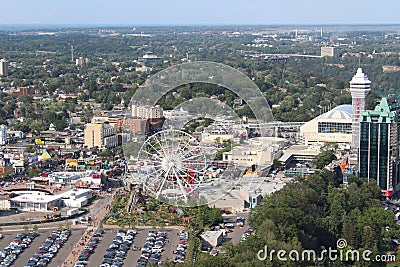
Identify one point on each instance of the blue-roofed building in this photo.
(332, 126)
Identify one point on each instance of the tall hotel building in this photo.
(359, 89)
(3, 67)
(379, 145)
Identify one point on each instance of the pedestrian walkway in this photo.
(76, 251)
(74, 254)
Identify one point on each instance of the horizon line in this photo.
(197, 24)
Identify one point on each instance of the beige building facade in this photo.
(101, 135)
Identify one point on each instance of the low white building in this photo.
(332, 126)
(219, 131)
(251, 190)
(211, 239)
(232, 201)
(39, 201)
(260, 151)
(76, 198)
(69, 179)
(176, 114)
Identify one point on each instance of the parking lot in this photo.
(96, 258)
(133, 254)
(28, 252)
(236, 232)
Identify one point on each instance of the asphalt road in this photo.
(100, 204)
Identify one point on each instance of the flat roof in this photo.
(285, 157)
(211, 234)
(35, 198)
(41, 198)
(76, 191)
(43, 179)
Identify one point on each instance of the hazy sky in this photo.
(187, 12)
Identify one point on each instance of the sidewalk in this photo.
(84, 240)
(74, 254)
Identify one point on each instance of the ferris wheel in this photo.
(172, 164)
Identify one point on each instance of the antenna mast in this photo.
(72, 53)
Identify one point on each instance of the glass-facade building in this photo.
(334, 127)
(379, 145)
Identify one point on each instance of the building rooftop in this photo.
(42, 198)
(36, 198)
(211, 234)
(360, 78)
(342, 112)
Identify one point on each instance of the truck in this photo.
(72, 212)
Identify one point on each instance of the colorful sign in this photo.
(39, 142)
(45, 155)
(71, 163)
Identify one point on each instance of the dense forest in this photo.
(314, 214)
(298, 88)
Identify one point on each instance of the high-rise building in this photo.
(359, 89)
(329, 51)
(379, 145)
(3, 67)
(81, 61)
(101, 135)
(147, 112)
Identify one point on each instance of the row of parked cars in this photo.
(49, 248)
(246, 234)
(181, 247)
(10, 253)
(152, 249)
(116, 252)
(87, 251)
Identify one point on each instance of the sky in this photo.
(199, 12)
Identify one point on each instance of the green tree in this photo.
(323, 159)
(30, 149)
(38, 127)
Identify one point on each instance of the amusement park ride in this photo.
(174, 165)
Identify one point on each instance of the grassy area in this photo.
(152, 213)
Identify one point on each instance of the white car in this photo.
(180, 249)
(130, 231)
